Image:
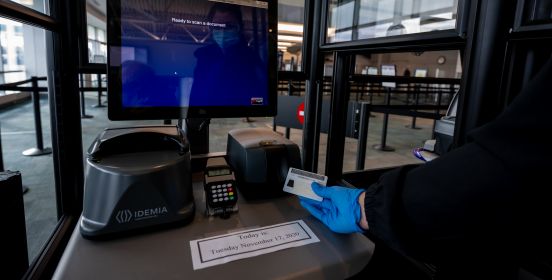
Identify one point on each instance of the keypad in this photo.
(224, 193)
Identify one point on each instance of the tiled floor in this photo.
(17, 134)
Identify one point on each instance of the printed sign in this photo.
(221, 249)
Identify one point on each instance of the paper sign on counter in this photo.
(225, 248)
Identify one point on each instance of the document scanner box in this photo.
(261, 159)
(137, 178)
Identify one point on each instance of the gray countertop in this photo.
(165, 254)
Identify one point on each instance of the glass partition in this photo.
(364, 19)
(393, 132)
(290, 34)
(24, 146)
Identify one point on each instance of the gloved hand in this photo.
(339, 210)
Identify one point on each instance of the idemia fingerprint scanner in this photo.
(137, 178)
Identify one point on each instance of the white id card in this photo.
(299, 182)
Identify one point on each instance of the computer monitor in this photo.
(191, 59)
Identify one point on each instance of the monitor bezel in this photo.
(116, 111)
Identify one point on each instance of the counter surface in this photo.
(166, 254)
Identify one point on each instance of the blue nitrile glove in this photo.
(339, 210)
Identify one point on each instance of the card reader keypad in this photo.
(222, 194)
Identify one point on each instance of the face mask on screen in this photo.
(226, 38)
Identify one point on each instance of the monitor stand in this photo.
(197, 132)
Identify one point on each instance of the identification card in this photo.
(298, 182)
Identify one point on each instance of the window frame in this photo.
(428, 41)
(456, 34)
(519, 28)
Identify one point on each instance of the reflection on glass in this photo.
(364, 19)
(290, 34)
(537, 11)
(96, 30)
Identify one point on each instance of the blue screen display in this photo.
(193, 53)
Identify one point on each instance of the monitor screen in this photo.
(195, 58)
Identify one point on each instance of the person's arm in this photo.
(425, 209)
(444, 206)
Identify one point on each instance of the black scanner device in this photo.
(261, 159)
(137, 178)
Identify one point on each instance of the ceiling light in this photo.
(290, 38)
(287, 44)
(290, 27)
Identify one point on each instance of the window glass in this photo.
(12, 44)
(290, 58)
(365, 19)
(391, 143)
(24, 57)
(91, 32)
(96, 16)
(100, 36)
(537, 12)
(290, 34)
(38, 5)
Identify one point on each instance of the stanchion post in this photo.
(81, 91)
(362, 135)
(39, 150)
(290, 89)
(416, 103)
(1, 153)
(99, 78)
(382, 146)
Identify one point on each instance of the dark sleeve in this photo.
(479, 197)
(443, 206)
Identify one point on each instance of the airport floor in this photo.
(18, 134)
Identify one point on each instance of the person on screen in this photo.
(477, 212)
(228, 70)
(143, 88)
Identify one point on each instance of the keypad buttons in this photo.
(226, 199)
